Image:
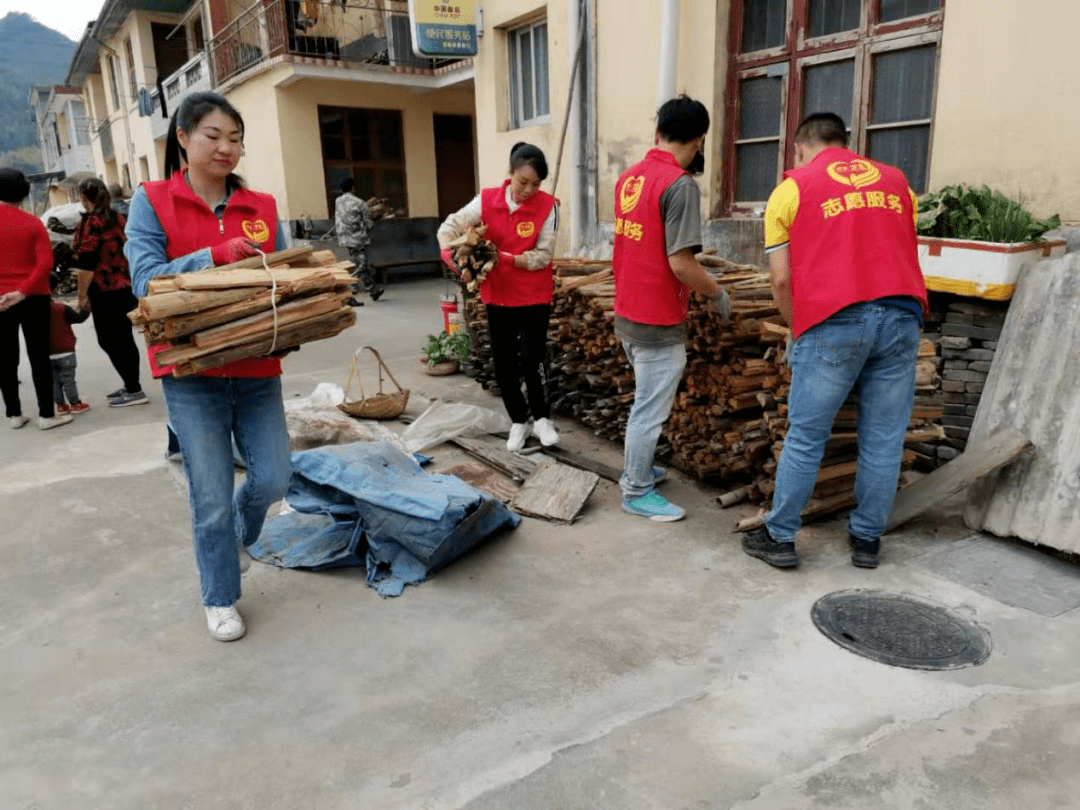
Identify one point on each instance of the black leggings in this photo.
(32, 314)
(518, 348)
(114, 333)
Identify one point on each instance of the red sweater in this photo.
(25, 253)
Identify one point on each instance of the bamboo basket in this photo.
(380, 406)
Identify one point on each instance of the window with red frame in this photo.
(873, 62)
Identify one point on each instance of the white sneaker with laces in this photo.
(546, 432)
(48, 423)
(225, 623)
(519, 432)
(17, 422)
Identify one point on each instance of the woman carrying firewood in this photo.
(200, 217)
(521, 222)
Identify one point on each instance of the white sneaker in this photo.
(17, 422)
(225, 623)
(519, 432)
(546, 432)
(48, 423)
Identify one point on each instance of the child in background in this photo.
(62, 354)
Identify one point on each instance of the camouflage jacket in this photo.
(352, 221)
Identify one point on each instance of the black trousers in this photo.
(31, 314)
(114, 332)
(519, 348)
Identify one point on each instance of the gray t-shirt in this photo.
(680, 207)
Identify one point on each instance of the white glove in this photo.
(721, 302)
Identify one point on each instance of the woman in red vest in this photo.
(522, 222)
(200, 217)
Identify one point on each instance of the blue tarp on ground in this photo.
(369, 504)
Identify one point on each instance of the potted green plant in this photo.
(976, 241)
(444, 352)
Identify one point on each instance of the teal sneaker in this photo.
(654, 506)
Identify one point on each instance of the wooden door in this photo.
(455, 168)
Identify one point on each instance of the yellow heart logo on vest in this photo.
(857, 173)
(526, 229)
(630, 193)
(256, 231)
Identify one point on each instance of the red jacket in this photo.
(25, 253)
(853, 238)
(190, 225)
(646, 290)
(61, 336)
(515, 233)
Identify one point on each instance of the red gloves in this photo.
(233, 250)
(447, 256)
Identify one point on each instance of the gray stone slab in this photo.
(1012, 573)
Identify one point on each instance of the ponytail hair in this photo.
(95, 192)
(193, 109)
(525, 154)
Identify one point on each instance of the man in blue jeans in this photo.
(657, 234)
(843, 260)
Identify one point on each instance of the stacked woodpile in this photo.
(212, 317)
(729, 419)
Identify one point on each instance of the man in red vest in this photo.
(840, 236)
(657, 234)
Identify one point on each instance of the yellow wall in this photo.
(284, 154)
(1006, 110)
(627, 55)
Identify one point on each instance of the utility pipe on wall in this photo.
(577, 197)
(669, 51)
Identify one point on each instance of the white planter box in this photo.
(980, 269)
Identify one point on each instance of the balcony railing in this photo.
(192, 77)
(327, 29)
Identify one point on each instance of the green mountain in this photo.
(30, 54)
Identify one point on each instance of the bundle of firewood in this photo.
(729, 419)
(212, 317)
(474, 253)
(380, 208)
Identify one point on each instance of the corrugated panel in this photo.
(1034, 386)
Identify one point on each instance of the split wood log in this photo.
(317, 328)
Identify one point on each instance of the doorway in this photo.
(455, 167)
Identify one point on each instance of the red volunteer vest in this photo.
(190, 225)
(853, 238)
(515, 233)
(646, 291)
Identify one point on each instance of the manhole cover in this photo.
(900, 630)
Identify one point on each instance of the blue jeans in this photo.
(657, 372)
(207, 413)
(872, 348)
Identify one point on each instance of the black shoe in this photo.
(376, 293)
(864, 553)
(759, 543)
(352, 302)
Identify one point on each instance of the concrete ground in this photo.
(615, 663)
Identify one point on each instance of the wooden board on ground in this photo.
(492, 451)
(555, 492)
(583, 463)
(814, 509)
(483, 477)
(975, 462)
